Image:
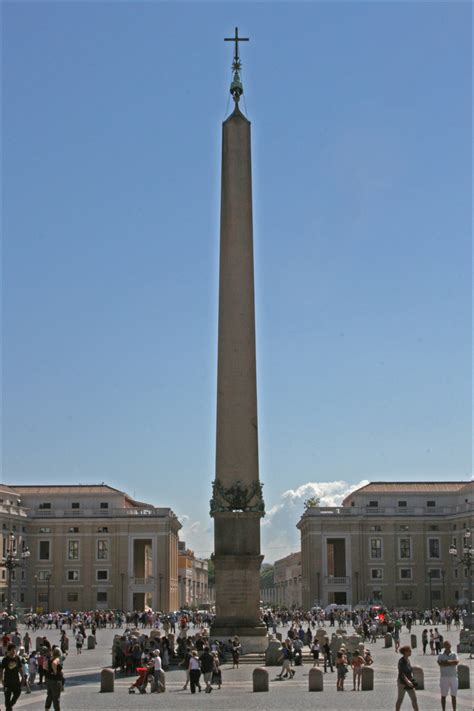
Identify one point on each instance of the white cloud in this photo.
(280, 537)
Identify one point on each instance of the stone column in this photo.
(237, 503)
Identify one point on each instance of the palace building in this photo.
(89, 547)
(388, 542)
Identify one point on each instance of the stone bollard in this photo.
(413, 641)
(388, 640)
(273, 654)
(367, 681)
(419, 677)
(91, 642)
(260, 679)
(162, 680)
(315, 678)
(463, 676)
(107, 678)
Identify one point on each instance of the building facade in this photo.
(288, 581)
(193, 579)
(388, 542)
(13, 527)
(92, 547)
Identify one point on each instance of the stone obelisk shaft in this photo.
(237, 505)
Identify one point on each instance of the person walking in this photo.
(424, 640)
(448, 681)
(286, 670)
(327, 655)
(341, 669)
(54, 680)
(405, 681)
(235, 651)
(11, 673)
(194, 672)
(207, 665)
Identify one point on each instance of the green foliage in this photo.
(211, 577)
(311, 503)
(266, 576)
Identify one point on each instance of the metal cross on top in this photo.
(236, 39)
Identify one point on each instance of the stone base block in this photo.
(463, 676)
(315, 679)
(367, 681)
(419, 677)
(107, 680)
(260, 679)
(252, 639)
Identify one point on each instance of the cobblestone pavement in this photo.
(82, 687)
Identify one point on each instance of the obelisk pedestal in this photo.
(237, 504)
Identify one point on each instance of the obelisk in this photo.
(237, 504)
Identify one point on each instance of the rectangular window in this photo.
(405, 547)
(101, 596)
(102, 529)
(73, 575)
(45, 529)
(373, 504)
(75, 505)
(430, 504)
(72, 597)
(434, 573)
(402, 504)
(455, 573)
(376, 573)
(4, 574)
(104, 505)
(406, 573)
(73, 529)
(376, 528)
(44, 550)
(433, 528)
(433, 548)
(407, 594)
(102, 550)
(45, 505)
(73, 550)
(43, 597)
(375, 547)
(102, 575)
(43, 575)
(436, 594)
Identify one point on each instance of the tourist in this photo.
(54, 680)
(327, 655)
(424, 640)
(286, 670)
(11, 675)
(79, 642)
(315, 650)
(341, 669)
(235, 649)
(448, 661)
(405, 682)
(207, 665)
(157, 668)
(216, 670)
(357, 662)
(194, 671)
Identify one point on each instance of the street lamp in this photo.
(48, 580)
(160, 578)
(36, 593)
(11, 561)
(465, 559)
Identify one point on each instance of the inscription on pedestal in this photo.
(233, 592)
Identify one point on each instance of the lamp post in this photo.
(48, 580)
(11, 561)
(430, 576)
(122, 576)
(160, 578)
(36, 593)
(465, 559)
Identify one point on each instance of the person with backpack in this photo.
(11, 672)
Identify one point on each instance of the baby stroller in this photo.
(141, 682)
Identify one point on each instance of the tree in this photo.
(311, 503)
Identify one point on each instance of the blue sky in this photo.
(361, 129)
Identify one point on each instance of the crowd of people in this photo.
(149, 643)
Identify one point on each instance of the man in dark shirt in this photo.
(207, 665)
(11, 676)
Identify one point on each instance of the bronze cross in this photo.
(236, 39)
